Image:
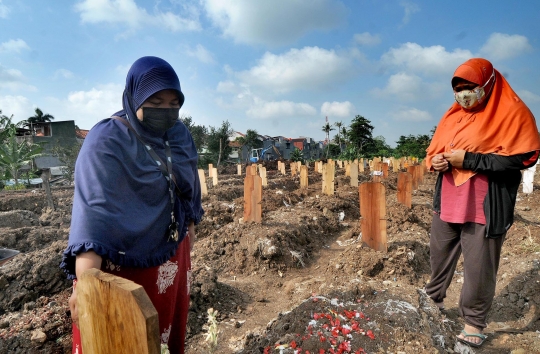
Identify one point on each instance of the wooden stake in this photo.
(262, 173)
(353, 169)
(373, 215)
(239, 169)
(413, 171)
(384, 170)
(293, 169)
(328, 178)
(115, 315)
(214, 177)
(404, 194)
(202, 180)
(303, 176)
(252, 197)
(210, 170)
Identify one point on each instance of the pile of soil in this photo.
(301, 281)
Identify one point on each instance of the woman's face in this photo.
(160, 99)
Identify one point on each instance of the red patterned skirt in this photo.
(167, 286)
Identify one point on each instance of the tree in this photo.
(379, 147)
(198, 132)
(40, 117)
(14, 155)
(327, 128)
(360, 132)
(218, 142)
(68, 156)
(250, 141)
(338, 125)
(296, 155)
(413, 145)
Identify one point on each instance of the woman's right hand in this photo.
(439, 163)
(84, 261)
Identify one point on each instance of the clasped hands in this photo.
(440, 162)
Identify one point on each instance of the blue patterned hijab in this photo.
(121, 205)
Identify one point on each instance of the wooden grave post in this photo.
(293, 168)
(404, 187)
(303, 176)
(115, 315)
(347, 170)
(373, 215)
(340, 163)
(202, 180)
(252, 196)
(214, 177)
(353, 170)
(239, 169)
(283, 168)
(328, 178)
(210, 170)
(361, 165)
(413, 171)
(384, 170)
(262, 173)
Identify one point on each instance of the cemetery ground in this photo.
(298, 282)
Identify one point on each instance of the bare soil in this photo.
(300, 282)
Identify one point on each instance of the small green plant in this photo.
(212, 330)
(529, 244)
(15, 187)
(164, 349)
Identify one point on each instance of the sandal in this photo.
(483, 338)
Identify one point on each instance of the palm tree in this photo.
(327, 128)
(39, 117)
(338, 125)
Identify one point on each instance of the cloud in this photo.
(273, 22)
(202, 54)
(4, 10)
(337, 109)
(431, 61)
(127, 12)
(402, 86)
(367, 38)
(410, 9)
(13, 46)
(18, 106)
(88, 107)
(500, 46)
(407, 114)
(528, 96)
(13, 80)
(266, 110)
(63, 73)
(310, 67)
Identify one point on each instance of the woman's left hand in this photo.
(455, 158)
(191, 235)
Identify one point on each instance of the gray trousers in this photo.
(480, 264)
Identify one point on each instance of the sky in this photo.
(280, 67)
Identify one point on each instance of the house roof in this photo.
(81, 133)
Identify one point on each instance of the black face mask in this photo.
(159, 120)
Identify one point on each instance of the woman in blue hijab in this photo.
(137, 198)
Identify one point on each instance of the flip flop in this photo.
(483, 338)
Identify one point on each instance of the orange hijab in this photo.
(503, 126)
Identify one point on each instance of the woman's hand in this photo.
(83, 262)
(191, 235)
(439, 163)
(455, 157)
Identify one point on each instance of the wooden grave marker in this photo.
(239, 170)
(353, 170)
(115, 315)
(210, 170)
(303, 177)
(384, 170)
(214, 176)
(373, 215)
(202, 180)
(293, 169)
(414, 173)
(328, 178)
(404, 187)
(252, 196)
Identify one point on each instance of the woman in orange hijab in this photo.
(479, 147)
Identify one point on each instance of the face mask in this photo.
(470, 99)
(159, 120)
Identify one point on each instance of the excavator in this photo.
(258, 154)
